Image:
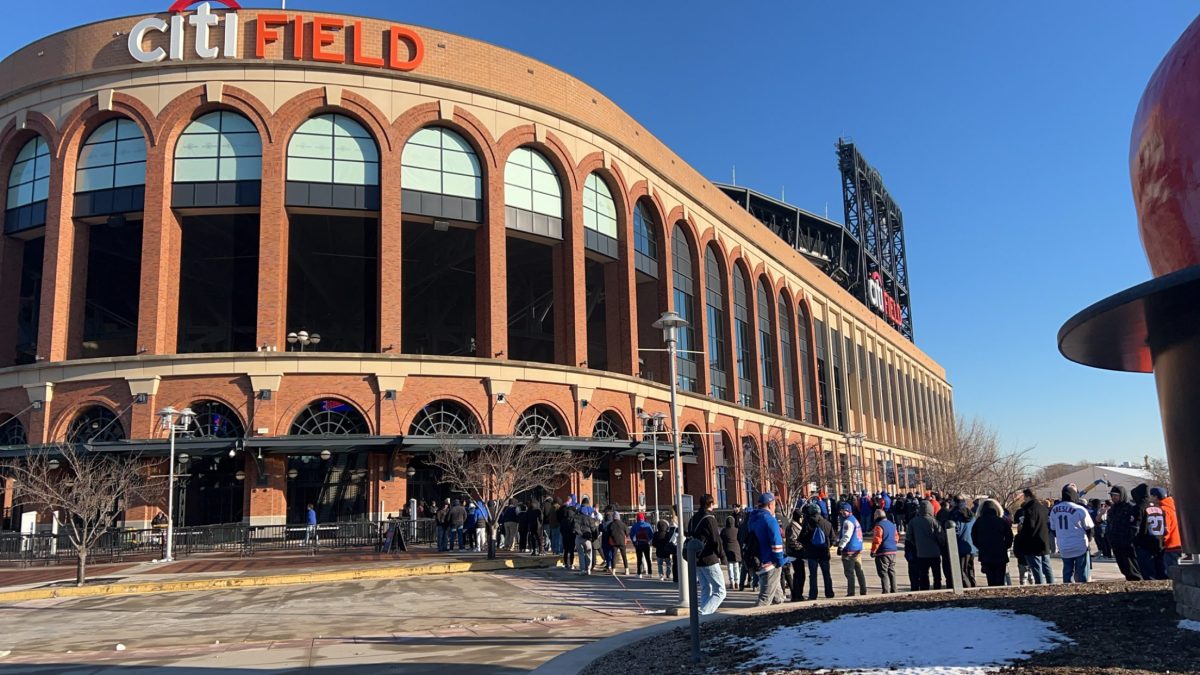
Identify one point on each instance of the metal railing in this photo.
(117, 544)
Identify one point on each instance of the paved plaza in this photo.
(499, 622)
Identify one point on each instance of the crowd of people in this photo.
(774, 554)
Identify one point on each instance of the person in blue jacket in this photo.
(865, 508)
(765, 529)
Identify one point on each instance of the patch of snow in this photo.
(956, 641)
(1188, 624)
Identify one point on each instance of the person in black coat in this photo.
(816, 554)
(566, 528)
(733, 552)
(1032, 541)
(1123, 522)
(992, 535)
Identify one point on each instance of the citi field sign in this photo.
(883, 301)
(312, 37)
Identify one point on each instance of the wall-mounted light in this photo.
(501, 398)
(411, 472)
(583, 403)
(617, 472)
(141, 399)
(292, 473)
(326, 454)
(53, 464)
(241, 475)
(264, 394)
(441, 226)
(389, 395)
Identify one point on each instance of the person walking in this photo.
(481, 524)
(885, 541)
(1071, 523)
(733, 553)
(816, 537)
(310, 526)
(793, 545)
(664, 550)
(710, 556)
(922, 538)
(617, 535)
(992, 535)
(1032, 540)
(642, 535)
(768, 548)
(1152, 526)
(849, 547)
(585, 536)
(456, 520)
(1172, 542)
(1123, 521)
(566, 527)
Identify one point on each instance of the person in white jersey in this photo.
(1071, 524)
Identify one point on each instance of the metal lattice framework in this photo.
(216, 420)
(538, 422)
(329, 417)
(444, 418)
(609, 427)
(12, 432)
(95, 424)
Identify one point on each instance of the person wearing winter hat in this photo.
(642, 533)
(765, 531)
(1071, 523)
(849, 547)
(1152, 525)
(885, 540)
(1172, 542)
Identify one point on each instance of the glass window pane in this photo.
(452, 141)
(609, 226)
(240, 168)
(22, 172)
(197, 145)
(130, 174)
(457, 162)
(14, 197)
(28, 150)
(345, 127)
(428, 136)
(538, 162)
(210, 123)
(103, 133)
(41, 189)
(195, 170)
(546, 184)
(518, 197)
(311, 170)
(547, 204)
(41, 166)
(422, 156)
(589, 220)
(234, 123)
(317, 147)
(132, 150)
(240, 145)
(358, 149)
(353, 173)
(517, 176)
(91, 156)
(468, 187)
(321, 125)
(425, 180)
(128, 129)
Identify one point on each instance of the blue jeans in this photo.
(1151, 564)
(455, 535)
(441, 535)
(1039, 567)
(711, 580)
(1171, 559)
(1079, 567)
(556, 540)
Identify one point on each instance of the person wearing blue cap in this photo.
(767, 547)
(850, 547)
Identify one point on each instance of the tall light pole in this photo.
(173, 421)
(853, 440)
(655, 421)
(670, 322)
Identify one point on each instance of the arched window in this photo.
(742, 337)
(114, 156)
(219, 147)
(440, 176)
(766, 348)
(683, 277)
(599, 216)
(532, 194)
(12, 432)
(329, 417)
(95, 424)
(785, 357)
(538, 421)
(645, 243)
(807, 386)
(609, 427)
(714, 299)
(750, 469)
(28, 187)
(333, 149)
(216, 420)
(444, 418)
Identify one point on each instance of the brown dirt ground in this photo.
(1119, 628)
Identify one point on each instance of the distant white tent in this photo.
(1086, 478)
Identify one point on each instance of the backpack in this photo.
(750, 552)
(818, 536)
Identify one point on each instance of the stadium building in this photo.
(343, 241)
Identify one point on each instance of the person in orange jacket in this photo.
(1172, 543)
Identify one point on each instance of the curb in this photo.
(167, 586)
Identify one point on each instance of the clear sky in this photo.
(1002, 129)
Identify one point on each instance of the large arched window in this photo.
(329, 417)
(444, 418)
(12, 432)
(532, 194)
(785, 357)
(333, 162)
(609, 427)
(807, 386)
(645, 243)
(715, 317)
(441, 177)
(766, 348)
(684, 281)
(221, 147)
(599, 216)
(28, 187)
(751, 469)
(216, 420)
(95, 424)
(538, 421)
(742, 337)
(111, 174)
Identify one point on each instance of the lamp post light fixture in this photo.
(304, 338)
(174, 421)
(325, 455)
(651, 424)
(855, 440)
(240, 475)
(410, 472)
(292, 473)
(670, 323)
(53, 464)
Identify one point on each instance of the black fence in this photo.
(237, 538)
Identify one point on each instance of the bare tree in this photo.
(1050, 472)
(969, 461)
(1008, 476)
(502, 470)
(787, 468)
(84, 490)
(1160, 472)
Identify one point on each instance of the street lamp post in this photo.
(303, 338)
(174, 421)
(669, 323)
(654, 421)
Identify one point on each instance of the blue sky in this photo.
(1002, 129)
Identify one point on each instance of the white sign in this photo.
(204, 21)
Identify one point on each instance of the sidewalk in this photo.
(221, 570)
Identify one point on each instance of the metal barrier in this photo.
(116, 544)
